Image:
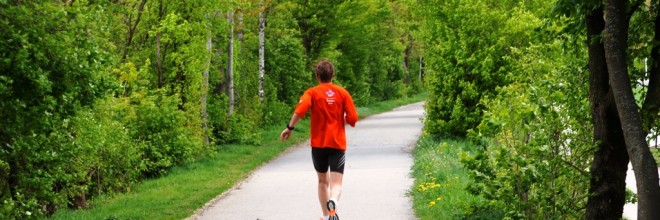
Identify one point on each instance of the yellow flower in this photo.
(439, 198)
(432, 203)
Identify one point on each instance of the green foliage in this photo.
(371, 58)
(162, 139)
(51, 67)
(537, 144)
(363, 41)
(439, 191)
(500, 73)
(111, 160)
(287, 75)
(656, 155)
(465, 57)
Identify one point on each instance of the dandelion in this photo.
(439, 198)
(432, 203)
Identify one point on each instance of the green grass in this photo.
(440, 181)
(185, 189)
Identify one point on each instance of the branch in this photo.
(584, 173)
(131, 30)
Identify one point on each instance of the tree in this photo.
(615, 40)
(230, 62)
(205, 85)
(262, 41)
(610, 163)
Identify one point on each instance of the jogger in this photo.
(331, 108)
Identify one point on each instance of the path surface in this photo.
(630, 210)
(376, 177)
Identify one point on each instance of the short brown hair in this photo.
(324, 70)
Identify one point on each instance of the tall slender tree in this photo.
(230, 62)
(159, 56)
(205, 85)
(262, 63)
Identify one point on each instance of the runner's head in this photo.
(324, 70)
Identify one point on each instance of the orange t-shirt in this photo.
(329, 102)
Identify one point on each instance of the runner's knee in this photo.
(323, 179)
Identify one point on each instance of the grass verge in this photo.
(184, 189)
(440, 181)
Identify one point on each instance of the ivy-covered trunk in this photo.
(608, 169)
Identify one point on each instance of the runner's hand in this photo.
(285, 134)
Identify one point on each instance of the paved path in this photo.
(376, 178)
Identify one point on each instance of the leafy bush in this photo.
(237, 128)
(277, 113)
(112, 160)
(52, 68)
(537, 147)
(160, 129)
(464, 65)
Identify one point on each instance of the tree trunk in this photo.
(420, 69)
(646, 170)
(222, 86)
(610, 164)
(406, 60)
(230, 62)
(205, 87)
(159, 59)
(239, 27)
(262, 65)
(131, 29)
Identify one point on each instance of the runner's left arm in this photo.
(351, 113)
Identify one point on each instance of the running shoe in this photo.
(331, 209)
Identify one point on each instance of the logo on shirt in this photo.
(330, 93)
(330, 99)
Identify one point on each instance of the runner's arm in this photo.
(351, 113)
(286, 133)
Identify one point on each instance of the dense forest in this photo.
(97, 95)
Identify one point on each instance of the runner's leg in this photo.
(336, 161)
(320, 159)
(335, 185)
(324, 191)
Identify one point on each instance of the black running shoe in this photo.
(331, 209)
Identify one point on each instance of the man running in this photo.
(332, 107)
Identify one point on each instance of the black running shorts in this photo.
(328, 157)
